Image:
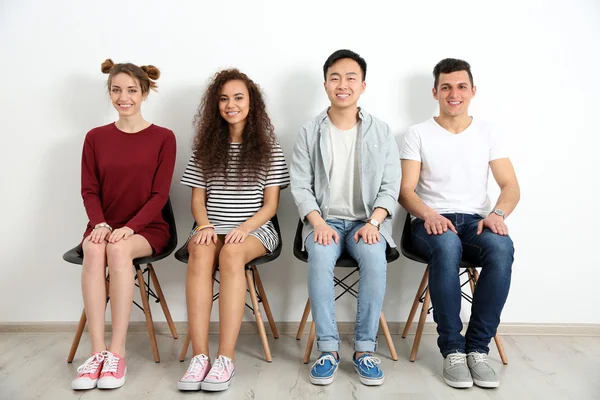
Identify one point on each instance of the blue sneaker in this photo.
(323, 370)
(368, 370)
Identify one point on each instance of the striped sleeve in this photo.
(193, 176)
(278, 174)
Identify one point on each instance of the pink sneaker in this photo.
(196, 372)
(113, 371)
(88, 373)
(220, 375)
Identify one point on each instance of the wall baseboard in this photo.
(291, 328)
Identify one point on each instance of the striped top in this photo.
(231, 202)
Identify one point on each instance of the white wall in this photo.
(535, 64)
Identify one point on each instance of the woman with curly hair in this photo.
(236, 172)
(126, 173)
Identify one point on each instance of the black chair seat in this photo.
(345, 260)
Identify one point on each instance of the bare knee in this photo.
(232, 259)
(94, 255)
(118, 257)
(201, 257)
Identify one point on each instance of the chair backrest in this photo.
(406, 240)
(169, 217)
(300, 254)
(345, 260)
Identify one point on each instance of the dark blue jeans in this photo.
(495, 255)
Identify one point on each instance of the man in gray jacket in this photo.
(345, 176)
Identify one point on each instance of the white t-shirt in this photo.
(346, 199)
(454, 167)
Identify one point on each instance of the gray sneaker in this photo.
(456, 371)
(483, 375)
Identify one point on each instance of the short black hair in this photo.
(341, 54)
(448, 65)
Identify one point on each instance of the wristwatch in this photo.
(499, 212)
(374, 222)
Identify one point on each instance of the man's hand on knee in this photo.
(436, 224)
(324, 233)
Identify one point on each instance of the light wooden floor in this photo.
(33, 366)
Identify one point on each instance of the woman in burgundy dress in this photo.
(126, 172)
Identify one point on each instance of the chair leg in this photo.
(475, 277)
(162, 300)
(310, 343)
(422, 318)
(77, 337)
(388, 337)
(303, 320)
(416, 302)
(261, 327)
(148, 314)
(184, 348)
(263, 296)
(500, 347)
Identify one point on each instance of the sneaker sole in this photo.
(486, 384)
(458, 385)
(369, 381)
(189, 386)
(321, 381)
(87, 384)
(217, 386)
(112, 383)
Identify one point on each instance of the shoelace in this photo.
(479, 357)
(370, 361)
(111, 362)
(218, 369)
(457, 358)
(91, 364)
(321, 360)
(196, 365)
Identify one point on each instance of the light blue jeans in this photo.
(373, 265)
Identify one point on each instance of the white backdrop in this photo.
(534, 63)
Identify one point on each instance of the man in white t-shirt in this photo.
(345, 176)
(445, 166)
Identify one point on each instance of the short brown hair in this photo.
(145, 75)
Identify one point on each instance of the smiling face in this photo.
(126, 95)
(344, 83)
(234, 102)
(454, 93)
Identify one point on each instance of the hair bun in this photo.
(107, 66)
(152, 72)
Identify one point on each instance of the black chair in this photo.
(75, 256)
(345, 261)
(254, 285)
(422, 296)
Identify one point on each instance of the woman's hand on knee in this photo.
(121, 233)
(237, 235)
(98, 235)
(205, 236)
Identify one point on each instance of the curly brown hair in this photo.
(211, 140)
